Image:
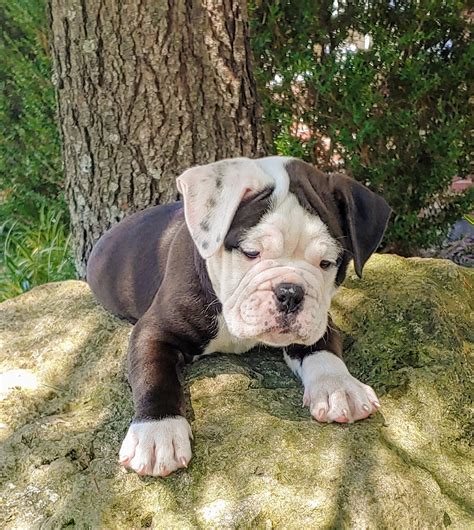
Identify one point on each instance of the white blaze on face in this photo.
(292, 244)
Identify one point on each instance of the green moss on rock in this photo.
(259, 460)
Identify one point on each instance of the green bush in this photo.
(34, 255)
(34, 241)
(30, 157)
(397, 113)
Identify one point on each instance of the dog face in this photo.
(276, 281)
(277, 236)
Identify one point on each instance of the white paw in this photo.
(157, 447)
(340, 398)
(331, 392)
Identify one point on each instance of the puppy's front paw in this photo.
(340, 398)
(332, 393)
(157, 447)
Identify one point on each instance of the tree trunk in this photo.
(146, 89)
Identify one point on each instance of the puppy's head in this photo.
(277, 236)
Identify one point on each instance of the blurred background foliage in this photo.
(30, 156)
(379, 89)
(35, 253)
(34, 241)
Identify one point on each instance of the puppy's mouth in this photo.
(281, 335)
(282, 324)
(278, 330)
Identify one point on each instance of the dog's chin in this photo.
(280, 337)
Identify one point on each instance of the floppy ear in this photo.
(364, 216)
(212, 194)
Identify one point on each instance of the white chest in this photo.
(226, 343)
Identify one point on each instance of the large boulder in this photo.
(259, 460)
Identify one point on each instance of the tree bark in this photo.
(146, 89)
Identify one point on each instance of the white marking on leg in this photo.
(331, 392)
(157, 447)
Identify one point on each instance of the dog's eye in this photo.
(325, 264)
(251, 254)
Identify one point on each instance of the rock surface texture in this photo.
(259, 460)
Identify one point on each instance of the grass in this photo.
(34, 254)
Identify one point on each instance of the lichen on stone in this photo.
(259, 460)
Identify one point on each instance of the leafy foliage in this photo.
(34, 241)
(35, 255)
(394, 113)
(30, 165)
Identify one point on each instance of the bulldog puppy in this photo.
(253, 255)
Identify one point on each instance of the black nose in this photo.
(289, 296)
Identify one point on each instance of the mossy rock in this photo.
(259, 460)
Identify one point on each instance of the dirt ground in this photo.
(259, 460)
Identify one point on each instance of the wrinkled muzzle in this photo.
(279, 304)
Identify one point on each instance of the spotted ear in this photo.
(364, 216)
(212, 194)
